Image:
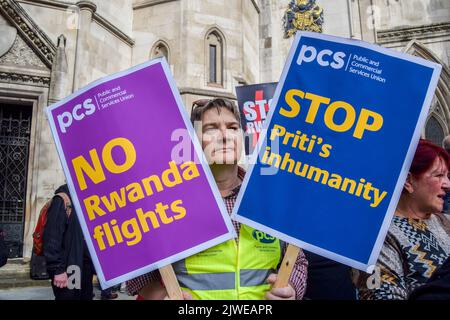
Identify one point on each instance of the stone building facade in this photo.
(50, 48)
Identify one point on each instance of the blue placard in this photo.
(341, 133)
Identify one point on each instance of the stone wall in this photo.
(183, 26)
(94, 48)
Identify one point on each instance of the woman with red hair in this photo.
(418, 241)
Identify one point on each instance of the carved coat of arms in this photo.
(302, 15)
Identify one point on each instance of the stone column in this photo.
(265, 31)
(58, 82)
(367, 15)
(87, 10)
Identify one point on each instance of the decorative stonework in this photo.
(20, 54)
(441, 100)
(24, 78)
(30, 32)
(302, 15)
(410, 33)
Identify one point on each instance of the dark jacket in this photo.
(447, 203)
(328, 280)
(4, 252)
(63, 239)
(437, 287)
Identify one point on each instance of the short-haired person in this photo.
(418, 240)
(241, 268)
(64, 248)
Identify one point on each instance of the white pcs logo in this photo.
(79, 111)
(324, 58)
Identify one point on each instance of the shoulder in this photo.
(439, 226)
(60, 203)
(440, 221)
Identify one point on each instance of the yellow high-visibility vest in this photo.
(230, 270)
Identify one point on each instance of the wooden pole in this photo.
(171, 283)
(290, 257)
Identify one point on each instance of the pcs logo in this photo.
(78, 112)
(262, 237)
(325, 58)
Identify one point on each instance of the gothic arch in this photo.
(435, 128)
(215, 56)
(441, 106)
(159, 49)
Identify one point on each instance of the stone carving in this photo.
(15, 14)
(302, 15)
(416, 32)
(24, 78)
(21, 55)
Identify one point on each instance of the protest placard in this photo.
(253, 101)
(345, 121)
(140, 208)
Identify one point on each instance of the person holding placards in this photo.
(418, 240)
(242, 268)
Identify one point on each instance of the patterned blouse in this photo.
(412, 251)
(298, 275)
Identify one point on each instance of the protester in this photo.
(65, 247)
(418, 240)
(328, 279)
(211, 274)
(4, 252)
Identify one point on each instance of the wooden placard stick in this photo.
(290, 257)
(171, 283)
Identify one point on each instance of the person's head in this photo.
(218, 125)
(446, 143)
(427, 181)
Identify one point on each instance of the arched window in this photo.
(434, 131)
(160, 49)
(214, 52)
(439, 121)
